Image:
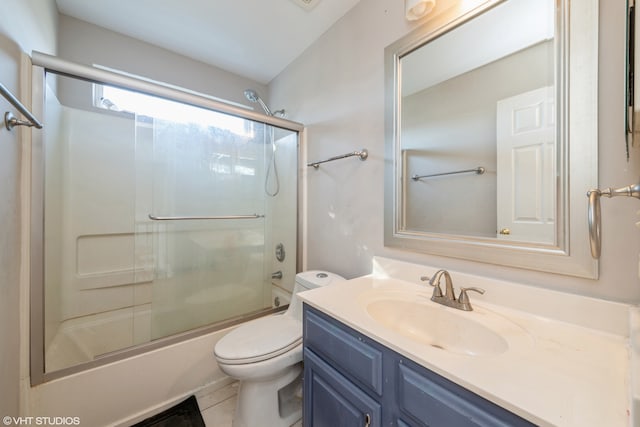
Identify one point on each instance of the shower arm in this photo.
(264, 106)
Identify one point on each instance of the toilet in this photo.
(265, 355)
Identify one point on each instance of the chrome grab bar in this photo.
(594, 216)
(478, 171)
(9, 119)
(186, 218)
(363, 154)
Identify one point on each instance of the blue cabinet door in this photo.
(330, 400)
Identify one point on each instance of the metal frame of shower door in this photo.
(98, 75)
(41, 63)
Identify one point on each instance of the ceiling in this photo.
(256, 39)
(479, 42)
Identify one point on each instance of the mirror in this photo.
(491, 132)
(456, 133)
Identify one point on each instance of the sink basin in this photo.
(475, 333)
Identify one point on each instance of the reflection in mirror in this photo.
(480, 105)
(488, 101)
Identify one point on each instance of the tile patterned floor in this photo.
(218, 408)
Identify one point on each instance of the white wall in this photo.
(89, 44)
(336, 88)
(25, 25)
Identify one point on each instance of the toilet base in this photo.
(274, 402)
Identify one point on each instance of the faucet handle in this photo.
(437, 291)
(463, 299)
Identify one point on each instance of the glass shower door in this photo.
(152, 217)
(200, 219)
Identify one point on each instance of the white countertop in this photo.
(564, 372)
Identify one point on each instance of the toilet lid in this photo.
(259, 340)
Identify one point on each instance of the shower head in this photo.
(253, 96)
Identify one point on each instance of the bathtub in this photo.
(127, 391)
(124, 392)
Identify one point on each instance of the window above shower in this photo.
(122, 100)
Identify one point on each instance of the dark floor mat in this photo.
(184, 414)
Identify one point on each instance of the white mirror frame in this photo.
(577, 80)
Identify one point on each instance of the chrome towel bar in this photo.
(593, 212)
(363, 154)
(10, 120)
(187, 218)
(478, 171)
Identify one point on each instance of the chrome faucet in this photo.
(449, 298)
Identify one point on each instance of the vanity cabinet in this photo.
(351, 380)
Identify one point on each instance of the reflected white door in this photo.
(526, 166)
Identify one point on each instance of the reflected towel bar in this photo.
(10, 120)
(363, 154)
(478, 171)
(186, 218)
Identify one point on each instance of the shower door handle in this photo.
(186, 218)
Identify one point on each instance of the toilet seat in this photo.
(259, 340)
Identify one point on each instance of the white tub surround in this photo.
(568, 361)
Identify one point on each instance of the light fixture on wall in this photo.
(416, 9)
(306, 4)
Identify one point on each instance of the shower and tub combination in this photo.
(156, 214)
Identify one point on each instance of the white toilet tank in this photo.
(309, 280)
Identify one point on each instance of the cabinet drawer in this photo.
(435, 401)
(345, 351)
